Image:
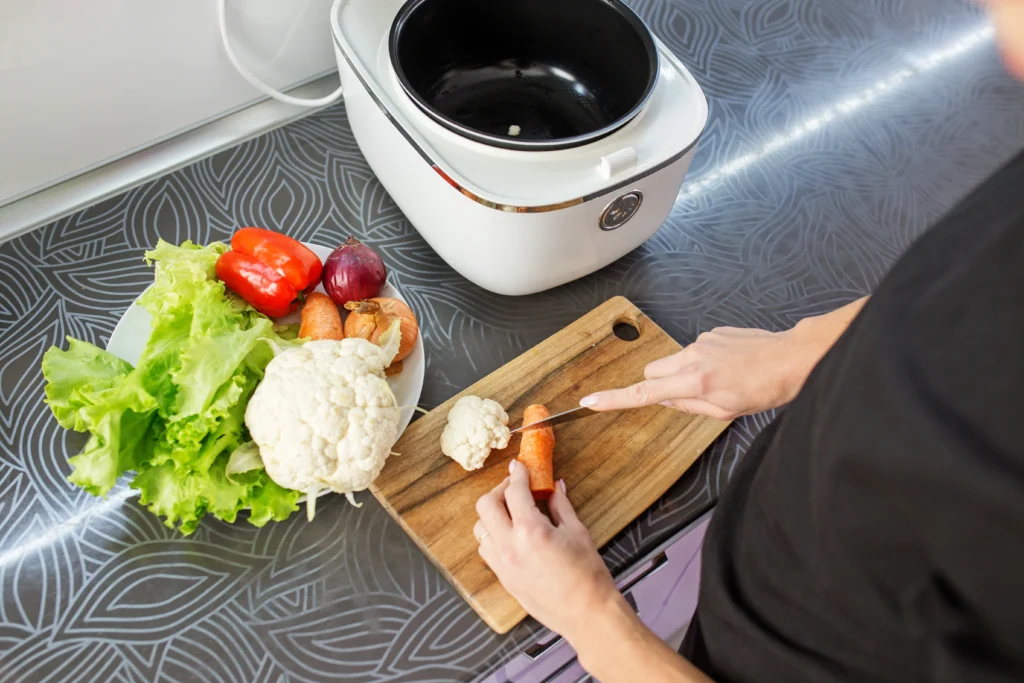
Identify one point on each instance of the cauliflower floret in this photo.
(324, 416)
(475, 426)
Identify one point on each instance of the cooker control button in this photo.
(621, 210)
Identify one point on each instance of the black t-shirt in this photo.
(875, 531)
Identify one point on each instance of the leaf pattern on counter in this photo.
(786, 213)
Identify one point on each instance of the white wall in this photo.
(83, 82)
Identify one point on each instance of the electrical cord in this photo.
(257, 83)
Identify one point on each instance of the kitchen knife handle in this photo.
(534, 651)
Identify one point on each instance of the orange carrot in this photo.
(320, 318)
(536, 451)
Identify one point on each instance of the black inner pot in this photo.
(525, 74)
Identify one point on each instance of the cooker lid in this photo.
(665, 129)
(529, 75)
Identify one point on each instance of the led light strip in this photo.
(841, 109)
(63, 528)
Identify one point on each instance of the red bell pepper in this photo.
(269, 270)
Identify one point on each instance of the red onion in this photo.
(354, 272)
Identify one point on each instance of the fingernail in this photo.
(589, 402)
(561, 485)
(512, 466)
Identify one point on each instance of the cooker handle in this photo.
(617, 162)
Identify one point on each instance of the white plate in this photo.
(132, 332)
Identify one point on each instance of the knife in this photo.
(559, 418)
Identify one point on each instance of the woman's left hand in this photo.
(555, 573)
(553, 570)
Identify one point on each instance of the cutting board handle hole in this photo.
(626, 330)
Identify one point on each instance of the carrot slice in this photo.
(536, 452)
(320, 318)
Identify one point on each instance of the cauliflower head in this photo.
(324, 416)
(475, 426)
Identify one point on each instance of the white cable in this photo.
(257, 83)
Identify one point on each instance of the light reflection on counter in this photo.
(844, 107)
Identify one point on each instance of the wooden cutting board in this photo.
(615, 465)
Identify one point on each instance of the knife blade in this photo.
(558, 418)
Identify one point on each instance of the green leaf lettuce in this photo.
(177, 416)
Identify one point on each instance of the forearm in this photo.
(830, 326)
(618, 648)
(813, 337)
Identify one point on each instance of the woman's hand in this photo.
(553, 570)
(555, 573)
(726, 373)
(729, 372)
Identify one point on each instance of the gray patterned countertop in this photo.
(839, 131)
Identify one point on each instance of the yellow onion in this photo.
(370, 318)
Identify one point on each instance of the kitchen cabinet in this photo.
(84, 83)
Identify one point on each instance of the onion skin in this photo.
(354, 272)
(371, 318)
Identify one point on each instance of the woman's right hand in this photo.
(729, 372)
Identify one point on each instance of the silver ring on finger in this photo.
(483, 536)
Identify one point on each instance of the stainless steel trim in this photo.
(508, 208)
(373, 96)
(659, 562)
(533, 652)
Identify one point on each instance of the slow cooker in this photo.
(531, 142)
